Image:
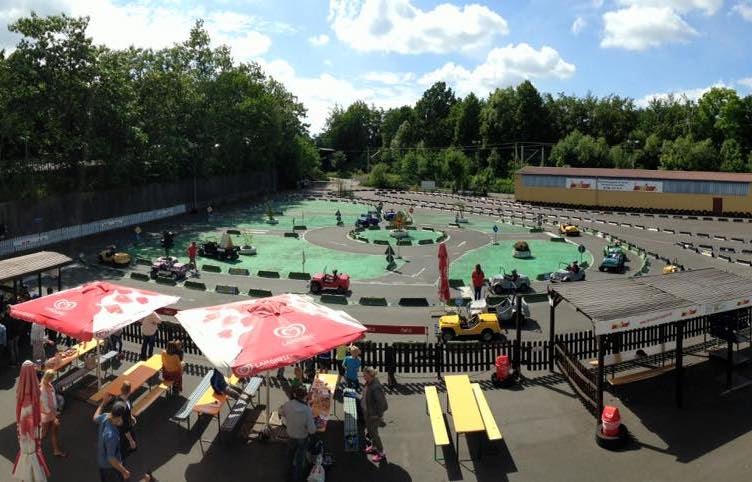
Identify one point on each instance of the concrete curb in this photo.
(371, 301)
(239, 272)
(268, 274)
(255, 293)
(227, 290)
(140, 276)
(211, 268)
(414, 302)
(334, 299)
(194, 285)
(299, 276)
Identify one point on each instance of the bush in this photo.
(504, 186)
(521, 246)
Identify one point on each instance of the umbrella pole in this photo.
(99, 367)
(268, 402)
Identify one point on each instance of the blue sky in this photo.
(387, 52)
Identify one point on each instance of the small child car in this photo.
(169, 267)
(569, 230)
(330, 282)
(613, 262)
(112, 256)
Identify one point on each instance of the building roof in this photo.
(638, 174)
(29, 264)
(639, 302)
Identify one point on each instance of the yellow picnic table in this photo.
(211, 402)
(74, 353)
(462, 405)
(139, 373)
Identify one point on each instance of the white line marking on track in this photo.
(418, 273)
(461, 244)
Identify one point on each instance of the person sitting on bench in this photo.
(221, 387)
(574, 268)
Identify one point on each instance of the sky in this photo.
(388, 52)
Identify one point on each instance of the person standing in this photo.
(352, 365)
(479, 279)
(192, 252)
(38, 339)
(299, 422)
(48, 408)
(137, 232)
(149, 327)
(127, 439)
(373, 404)
(109, 455)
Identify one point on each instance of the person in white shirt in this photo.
(38, 338)
(149, 327)
(298, 418)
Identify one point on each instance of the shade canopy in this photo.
(91, 310)
(252, 336)
(30, 465)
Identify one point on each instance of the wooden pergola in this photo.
(619, 305)
(15, 269)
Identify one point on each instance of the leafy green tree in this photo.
(432, 114)
(684, 154)
(732, 159)
(467, 127)
(456, 168)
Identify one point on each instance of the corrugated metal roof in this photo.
(31, 264)
(609, 300)
(638, 174)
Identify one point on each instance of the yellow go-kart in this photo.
(481, 325)
(110, 255)
(569, 230)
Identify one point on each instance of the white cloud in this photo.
(318, 40)
(747, 82)
(320, 94)
(503, 67)
(578, 24)
(389, 78)
(744, 9)
(689, 94)
(640, 28)
(400, 27)
(709, 7)
(150, 24)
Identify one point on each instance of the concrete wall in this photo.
(21, 218)
(639, 200)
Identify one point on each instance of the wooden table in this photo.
(462, 405)
(137, 377)
(211, 402)
(81, 349)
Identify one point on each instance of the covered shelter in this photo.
(619, 305)
(15, 269)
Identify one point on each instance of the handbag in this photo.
(317, 472)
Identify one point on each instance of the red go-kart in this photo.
(330, 282)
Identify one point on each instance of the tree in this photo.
(467, 127)
(497, 123)
(431, 114)
(530, 117)
(684, 154)
(456, 168)
(720, 115)
(731, 157)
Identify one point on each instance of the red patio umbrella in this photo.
(30, 465)
(249, 337)
(92, 310)
(443, 273)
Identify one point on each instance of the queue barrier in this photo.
(299, 275)
(194, 285)
(239, 271)
(413, 302)
(372, 301)
(268, 274)
(227, 290)
(256, 293)
(139, 276)
(211, 268)
(334, 299)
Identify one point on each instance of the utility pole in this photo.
(543, 162)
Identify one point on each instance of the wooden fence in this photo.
(454, 357)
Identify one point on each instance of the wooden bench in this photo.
(436, 416)
(75, 375)
(150, 397)
(492, 430)
(184, 413)
(154, 363)
(643, 375)
(350, 403)
(241, 404)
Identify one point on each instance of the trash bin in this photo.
(611, 420)
(502, 367)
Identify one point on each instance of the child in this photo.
(352, 365)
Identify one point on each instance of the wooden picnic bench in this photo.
(138, 374)
(643, 375)
(73, 376)
(436, 417)
(184, 412)
(241, 404)
(492, 430)
(350, 403)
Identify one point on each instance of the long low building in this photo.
(639, 189)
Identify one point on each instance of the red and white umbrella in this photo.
(249, 337)
(443, 273)
(30, 465)
(92, 310)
